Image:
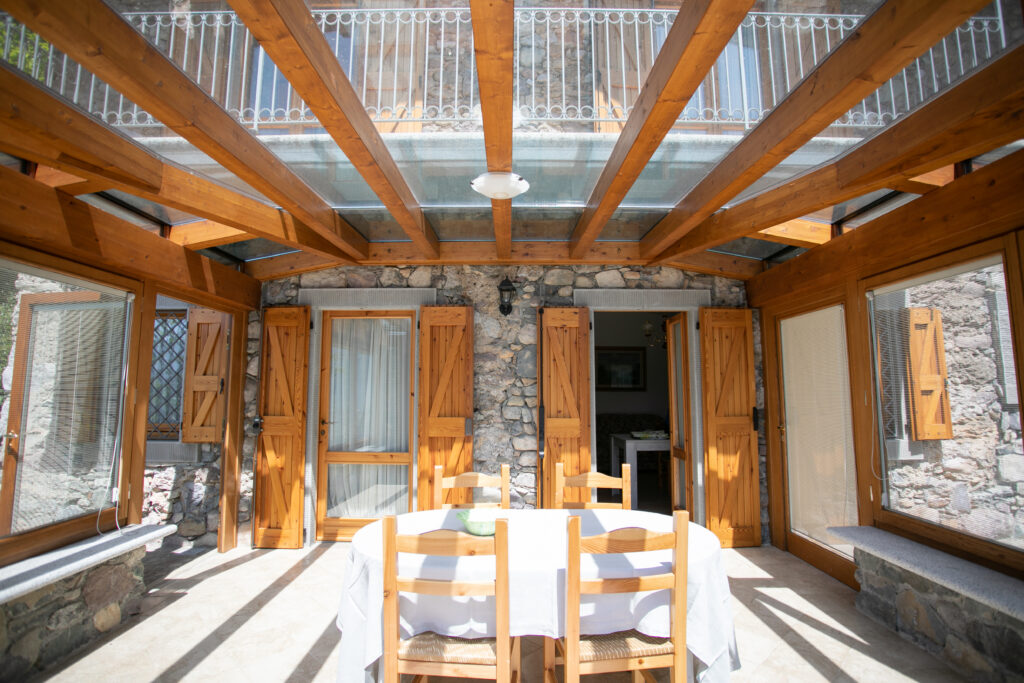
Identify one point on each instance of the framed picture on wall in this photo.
(621, 368)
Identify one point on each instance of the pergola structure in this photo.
(808, 205)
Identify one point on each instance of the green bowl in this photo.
(475, 524)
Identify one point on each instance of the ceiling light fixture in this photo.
(500, 185)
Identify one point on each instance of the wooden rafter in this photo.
(67, 182)
(698, 35)
(539, 253)
(37, 126)
(982, 112)
(40, 217)
(494, 45)
(98, 38)
(884, 43)
(974, 207)
(798, 232)
(203, 234)
(287, 32)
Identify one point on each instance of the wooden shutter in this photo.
(445, 399)
(565, 396)
(730, 442)
(206, 367)
(926, 376)
(678, 340)
(280, 451)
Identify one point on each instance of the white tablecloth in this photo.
(537, 555)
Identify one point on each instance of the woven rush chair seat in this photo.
(433, 647)
(622, 645)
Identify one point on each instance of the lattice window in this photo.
(166, 383)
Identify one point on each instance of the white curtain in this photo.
(819, 425)
(369, 412)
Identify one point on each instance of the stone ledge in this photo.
(21, 578)
(995, 590)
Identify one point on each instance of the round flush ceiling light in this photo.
(500, 185)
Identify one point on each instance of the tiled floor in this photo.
(269, 616)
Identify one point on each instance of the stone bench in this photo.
(54, 603)
(970, 616)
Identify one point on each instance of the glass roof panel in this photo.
(375, 224)
(75, 85)
(975, 43)
(462, 224)
(750, 247)
(251, 250)
(631, 224)
(113, 208)
(542, 224)
(839, 212)
(439, 166)
(160, 212)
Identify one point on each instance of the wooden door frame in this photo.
(812, 552)
(342, 529)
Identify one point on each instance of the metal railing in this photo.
(576, 69)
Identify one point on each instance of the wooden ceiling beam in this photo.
(67, 182)
(884, 42)
(98, 38)
(798, 232)
(203, 234)
(40, 217)
(287, 32)
(494, 47)
(975, 207)
(37, 126)
(981, 113)
(532, 253)
(699, 34)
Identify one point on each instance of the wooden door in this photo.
(730, 440)
(565, 396)
(280, 452)
(679, 409)
(445, 399)
(206, 367)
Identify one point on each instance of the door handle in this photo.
(8, 437)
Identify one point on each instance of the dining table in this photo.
(537, 563)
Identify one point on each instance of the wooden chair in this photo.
(626, 650)
(430, 654)
(472, 480)
(592, 480)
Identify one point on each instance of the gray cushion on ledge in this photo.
(989, 587)
(21, 578)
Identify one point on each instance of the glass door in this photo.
(365, 423)
(817, 429)
(679, 412)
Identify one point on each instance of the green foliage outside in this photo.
(7, 300)
(14, 43)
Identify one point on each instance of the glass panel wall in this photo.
(949, 406)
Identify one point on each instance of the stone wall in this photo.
(973, 482)
(186, 495)
(979, 642)
(505, 387)
(44, 626)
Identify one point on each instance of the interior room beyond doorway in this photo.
(631, 390)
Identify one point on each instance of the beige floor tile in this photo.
(269, 616)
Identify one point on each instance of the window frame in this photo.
(970, 547)
(35, 541)
(343, 528)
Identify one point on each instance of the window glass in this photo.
(167, 376)
(821, 471)
(949, 413)
(364, 491)
(369, 385)
(62, 347)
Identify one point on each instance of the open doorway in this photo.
(632, 403)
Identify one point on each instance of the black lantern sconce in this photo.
(506, 290)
